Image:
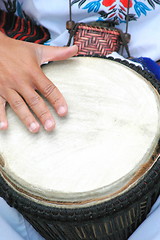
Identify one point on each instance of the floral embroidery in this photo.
(110, 2)
(140, 7)
(13, 6)
(93, 6)
(117, 10)
(153, 2)
(10, 5)
(80, 2)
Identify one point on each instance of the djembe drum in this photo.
(97, 175)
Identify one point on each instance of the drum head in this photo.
(110, 134)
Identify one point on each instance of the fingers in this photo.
(26, 100)
(3, 117)
(50, 53)
(20, 108)
(52, 94)
(36, 103)
(38, 106)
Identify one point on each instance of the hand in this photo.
(21, 78)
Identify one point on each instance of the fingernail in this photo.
(3, 125)
(61, 110)
(49, 124)
(33, 127)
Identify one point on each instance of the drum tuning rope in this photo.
(127, 17)
(70, 24)
(127, 35)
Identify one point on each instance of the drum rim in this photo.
(119, 203)
(12, 196)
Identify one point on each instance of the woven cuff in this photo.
(21, 29)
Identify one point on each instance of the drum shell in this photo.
(115, 219)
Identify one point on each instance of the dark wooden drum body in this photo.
(97, 175)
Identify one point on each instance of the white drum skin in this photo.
(111, 130)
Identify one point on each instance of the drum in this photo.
(96, 176)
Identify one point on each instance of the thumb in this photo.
(50, 53)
